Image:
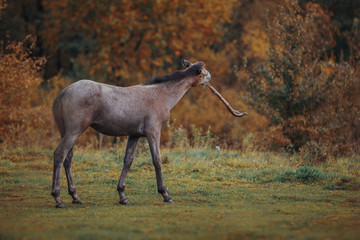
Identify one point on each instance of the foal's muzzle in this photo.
(207, 78)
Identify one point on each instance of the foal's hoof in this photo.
(169, 201)
(124, 202)
(60, 205)
(77, 202)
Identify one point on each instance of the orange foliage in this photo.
(134, 40)
(254, 38)
(19, 73)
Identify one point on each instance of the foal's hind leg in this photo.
(60, 153)
(69, 177)
(128, 159)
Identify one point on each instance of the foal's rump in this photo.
(75, 107)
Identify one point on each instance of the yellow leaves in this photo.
(158, 62)
(138, 29)
(256, 40)
(168, 59)
(18, 71)
(143, 62)
(176, 44)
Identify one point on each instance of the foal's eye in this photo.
(199, 71)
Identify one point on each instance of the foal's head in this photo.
(202, 75)
(196, 72)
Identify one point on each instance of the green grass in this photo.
(217, 194)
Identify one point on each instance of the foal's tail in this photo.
(58, 115)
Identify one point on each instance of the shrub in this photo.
(312, 101)
(19, 73)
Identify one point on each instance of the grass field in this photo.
(217, 195)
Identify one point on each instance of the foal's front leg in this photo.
(154, 143)
(128, 159)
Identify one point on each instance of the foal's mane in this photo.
(192, 71)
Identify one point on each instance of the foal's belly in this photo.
(121, 113)
(122, 128)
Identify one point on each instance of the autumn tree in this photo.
(345, 15)
(126, 42)
(18, 73)
(299, 83)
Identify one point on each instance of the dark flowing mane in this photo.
(192, 71)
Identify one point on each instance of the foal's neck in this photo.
(172, 92)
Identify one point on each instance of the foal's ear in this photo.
(186, 63)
